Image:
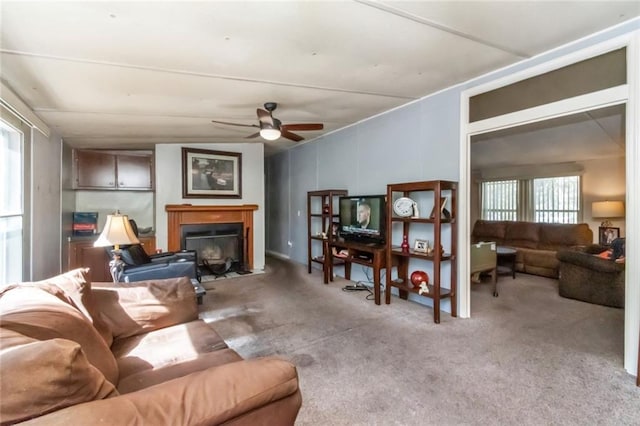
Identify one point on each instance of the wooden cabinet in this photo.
(322, 212)
(437, 226)
(113, 170)
(82, 254)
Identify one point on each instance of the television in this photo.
(363, 218)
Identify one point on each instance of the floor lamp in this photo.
(117, 231)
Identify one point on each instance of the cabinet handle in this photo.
(110, 183)
(121, 184)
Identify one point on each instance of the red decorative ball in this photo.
(419, 277)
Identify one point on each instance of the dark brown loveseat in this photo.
(536, 243)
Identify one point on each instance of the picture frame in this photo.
(443, 210)
(211, 174)
(421, 246)
(606, 235)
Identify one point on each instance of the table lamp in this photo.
(607, 210)
(117, 230)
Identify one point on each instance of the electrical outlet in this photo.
(298, 213)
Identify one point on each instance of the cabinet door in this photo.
(82, 254)
(95, 170)
(135, 172)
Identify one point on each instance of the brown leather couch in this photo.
(137, 353)
(536, 243)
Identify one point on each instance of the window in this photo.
(556, 200)
(11, 205)
(551, 200)
(499, 200)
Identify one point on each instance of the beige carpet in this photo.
(528, 357)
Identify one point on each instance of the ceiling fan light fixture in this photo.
(268, 132)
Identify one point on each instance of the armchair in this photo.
(139, 266)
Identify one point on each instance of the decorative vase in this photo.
(405, 244)
(419, 277)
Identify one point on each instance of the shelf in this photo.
(420, 220)
(441, 191)
(396, 250)
(321, 214)
(444, 292)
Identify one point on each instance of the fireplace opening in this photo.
(219, 246)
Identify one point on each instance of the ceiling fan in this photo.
(272, 128)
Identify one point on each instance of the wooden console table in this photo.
(372, 255)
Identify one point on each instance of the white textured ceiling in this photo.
(133, 74)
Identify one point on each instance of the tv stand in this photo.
(367, 254)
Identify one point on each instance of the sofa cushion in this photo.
(522, 234)
(555, 236)
(163, 347)
(139, 307)
(488, 230)
(145, 378)
(34, 312)
(43, 376)
(77, 287)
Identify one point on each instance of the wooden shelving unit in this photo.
(322, 211)
(439, 190)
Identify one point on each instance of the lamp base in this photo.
(116, 266)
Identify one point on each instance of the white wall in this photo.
(46, 160)
(603, 180)
(169, 189)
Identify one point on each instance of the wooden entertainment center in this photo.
(439, 224)
(372, 255)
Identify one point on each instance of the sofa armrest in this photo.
(208, 397)
(589, 261)
(139, 307)
(159, 270)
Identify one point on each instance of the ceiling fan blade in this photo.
(287, 134)
(303, 126)
(234, 124)
(255, 135)
(264, 116)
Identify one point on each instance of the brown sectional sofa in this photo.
(137, 353)
(536, 243)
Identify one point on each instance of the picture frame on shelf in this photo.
(421, 246)
(211, 174)
(443, 211)
(606, 235)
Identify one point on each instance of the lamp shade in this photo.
(117, 230)
(607, 209)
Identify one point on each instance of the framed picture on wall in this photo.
(607, 234)
(211, 174)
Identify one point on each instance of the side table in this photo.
(506, 261)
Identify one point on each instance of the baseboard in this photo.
(276, 254)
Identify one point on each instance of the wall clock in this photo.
(403, 207)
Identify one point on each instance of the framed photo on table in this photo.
(211, 174)
(607, 234)
(421, 246)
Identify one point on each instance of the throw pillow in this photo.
(77, 287)
(44, 376)
(604, 255)
(34, 312)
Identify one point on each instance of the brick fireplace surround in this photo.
(187, 214)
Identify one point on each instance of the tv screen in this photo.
(363, 218)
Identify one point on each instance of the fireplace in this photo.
(219, 246)
(230, 218)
